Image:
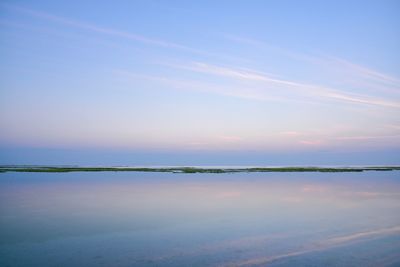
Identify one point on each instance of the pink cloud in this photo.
(311, 142)
(291, 133)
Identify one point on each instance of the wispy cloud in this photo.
(365, 72)
(338, 68)
(266, 86)
(200, 86)
(291, 133)
(268, 83)
(237, 73)
(267, 46)
(103, 30)
(311, 142)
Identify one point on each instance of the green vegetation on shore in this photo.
(192, 169)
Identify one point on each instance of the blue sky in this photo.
(265, 81)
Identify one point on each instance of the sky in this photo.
(200, 82)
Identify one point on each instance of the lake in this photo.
(176, 219)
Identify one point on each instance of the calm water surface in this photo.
(166, 219)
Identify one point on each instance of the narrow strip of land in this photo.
(193, 169)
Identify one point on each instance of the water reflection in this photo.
(164, 219)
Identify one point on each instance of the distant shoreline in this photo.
(13, 168)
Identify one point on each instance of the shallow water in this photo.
(169, 219)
